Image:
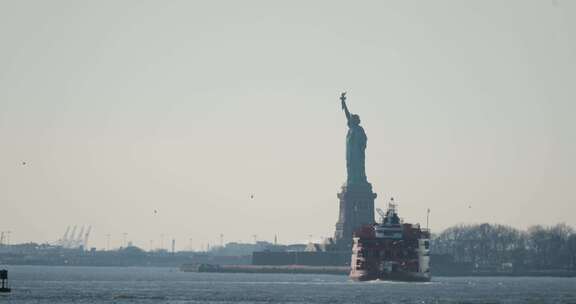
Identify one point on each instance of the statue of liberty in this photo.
(355, 147)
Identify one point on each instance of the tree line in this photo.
(493, 246)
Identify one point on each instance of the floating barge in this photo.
(338, 270)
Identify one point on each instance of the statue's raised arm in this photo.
(344, 107)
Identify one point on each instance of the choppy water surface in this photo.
(41, 284)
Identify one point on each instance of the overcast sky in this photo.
(120, 108)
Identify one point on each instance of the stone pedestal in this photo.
(356, 210)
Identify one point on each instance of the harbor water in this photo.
(51, 284)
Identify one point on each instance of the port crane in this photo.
(65, 236)
(5, 237)
(86, 237)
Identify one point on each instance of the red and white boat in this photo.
(391, 250)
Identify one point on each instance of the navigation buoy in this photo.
(4, 281)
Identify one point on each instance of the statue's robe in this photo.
(355, 154)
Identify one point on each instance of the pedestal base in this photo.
(356, 210)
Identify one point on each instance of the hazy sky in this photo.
(119, 108)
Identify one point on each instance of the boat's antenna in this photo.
(427, 217)
(392, 205)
